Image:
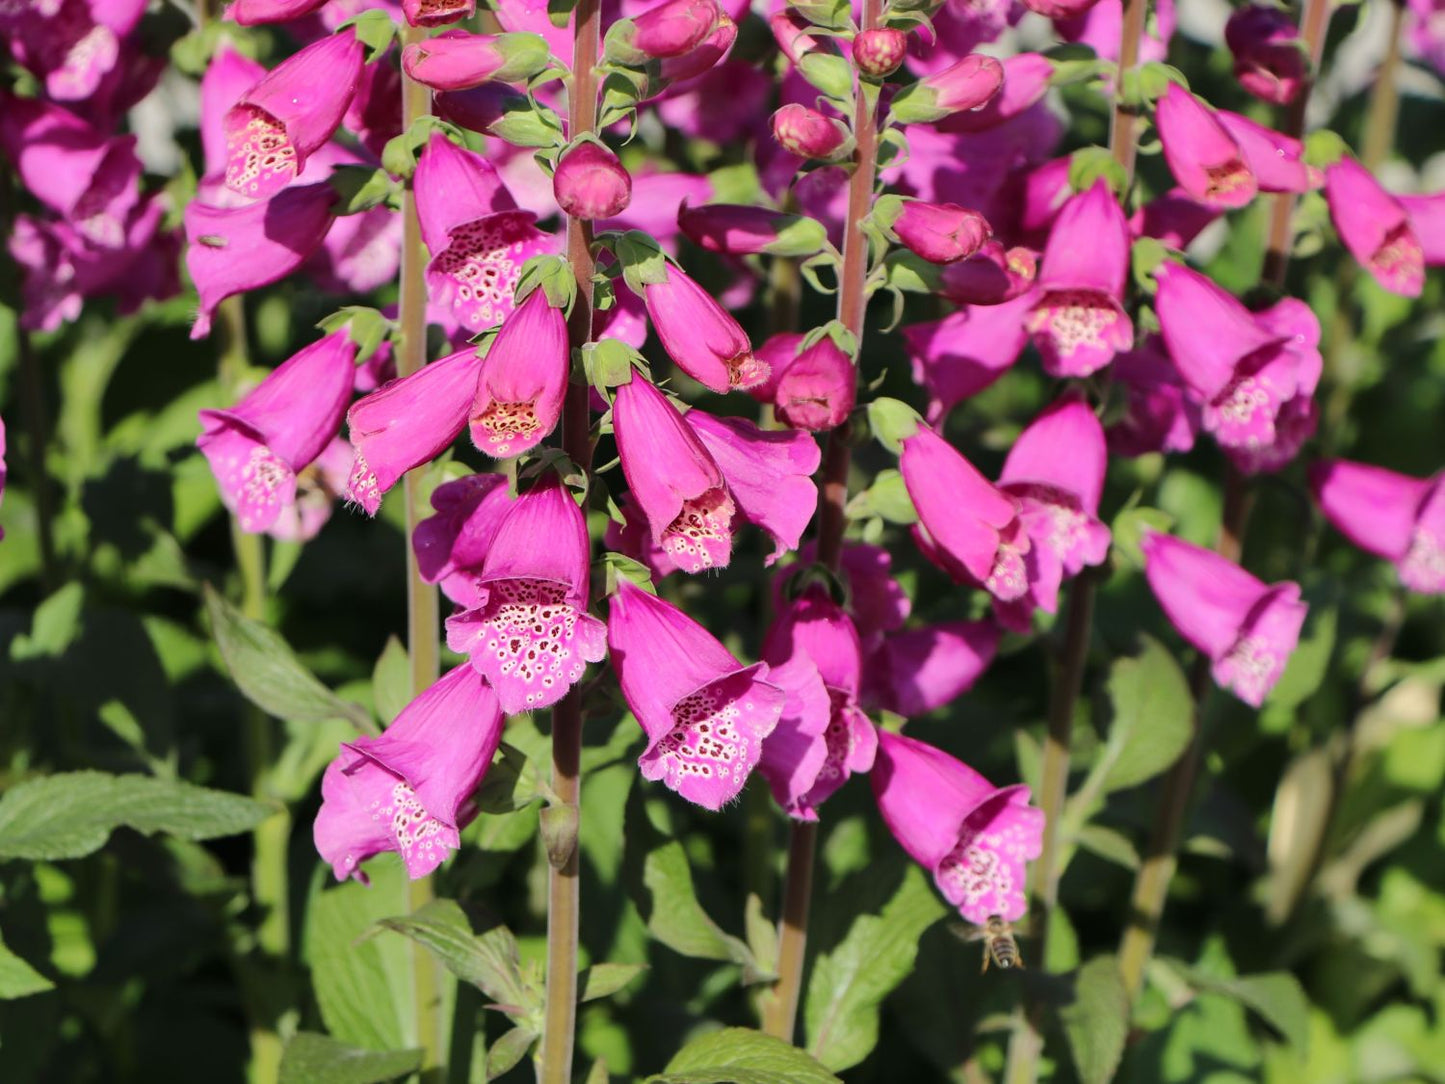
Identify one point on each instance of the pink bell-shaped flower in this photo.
(258, 447)
(674, 480)
(1247, 629)
(1274, 159)
(289, 114)
(813, 388)
(814, 628)
(966, 526)
(410, 790)
(915, 671)
(1056, 472)
(408, 422)
(1205, 159)
(965, 352)
(976, 839)
(232, 250)
(1427, 220)
(1078, 320)
(704, 713)
(768, 472)
(1394, 516)
(530, 634)
(1375, 228)
(452, 545)
(523, 380)
(699, 334)
(991, 276)
(1269, 58)
(1160, 414)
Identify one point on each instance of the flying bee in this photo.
(999, 944)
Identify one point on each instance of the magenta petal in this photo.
(523, 380)
(794, 753)
(768, 472)
(255, 482)
(1374, 508)
(1427, 222)
(1204, 157)
(815, 626)
(1208, 332)
(924, 795)
(984, 874)
(1208, 598)
(1088, 247)
(453, 186)
(699, 334)
(1422, 568)
(1063, 447)
(1255, 661)
(1275, 159)
(918, 670)
(965, 352)
(476, 274)
(1375, 228)
(961, 511)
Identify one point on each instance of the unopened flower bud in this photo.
(1269, 60)
(879, 52)
(941, 232)
(791, 31)
(969, 84)
(590, 182)
(668, 30)
(739, 230)
(457, 60)
(808, 133)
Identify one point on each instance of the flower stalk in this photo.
(563, 876)
(781, 1010)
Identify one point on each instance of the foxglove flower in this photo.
(408, 422)
(814, 628)
(767, 472)
(1375, 228)
(437, 12)
(1026, 78)
(1176, 218)
(795, 752)
(590, 182)
(410, 789)
(704, 713)
(232, 250)
(1427, 220)
(1160, 414)
(258, 447)
(228, 76)
(669, 29)
(530, 634)
(990, 276)
(261, 12)
(87, 178)
(1247, 629)
(452, 545)
(813, 388)
(699, 334)
(1204, 158)
(1275, 160)
(969, 84)
(876, 602)
(1056, 472)
(960, 355)
(523, 380)
(916, 671)
(941, 232)
(674, 480)
(1393, 516)
(1078, 320)
(1269, 57)
(809, 133)
(318, 487)
(966, 526)
(976, 839)
(289, 114)
(460, 60)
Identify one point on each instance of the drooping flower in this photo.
(1078, 320)
(674, 480)
(591, 183)
(1056, 472)
(451, 545)
(914, 671)
(407, 422)
(976, 839)
(290, 113)
(410, 789)
(1204, 157)
(1375, 228)
(767, 472)
(962, 354)
(704, 713)
(699, 334)
(232, 250)
(523, 380)
(941, 232)
(1269, 58)
(966, 526)
(991, 276)
(258, 447)
(813, 388)
(1394, 516)
(260, 12)
(813, 627)
(530, 633)
(1275, 160)
(1248, 629)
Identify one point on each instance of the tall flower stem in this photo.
(563, 875)
(1122, 128)
(423, 612)
(781, 1009)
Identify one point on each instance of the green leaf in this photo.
(360, 188)
(391, 680)
(1276, 996)
(1152, 720)
(17, 978)
(850, 982)
(363, 984)
(267, 671)
(1096, 1021)
(316, 1059)
(741, 1056)
(489, 960)
(887, 498)
(72, 814)
(508, 1050)
(1129, 527)
(604, 980)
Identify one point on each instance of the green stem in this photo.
(564, 897)
(423, 613)
(37, 426)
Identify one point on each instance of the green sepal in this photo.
(892, 422)
(1088, 164)
(554, 275)
(831, 75)
(360, 189)
(642, 259)
(367, 327)
(375, 30)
